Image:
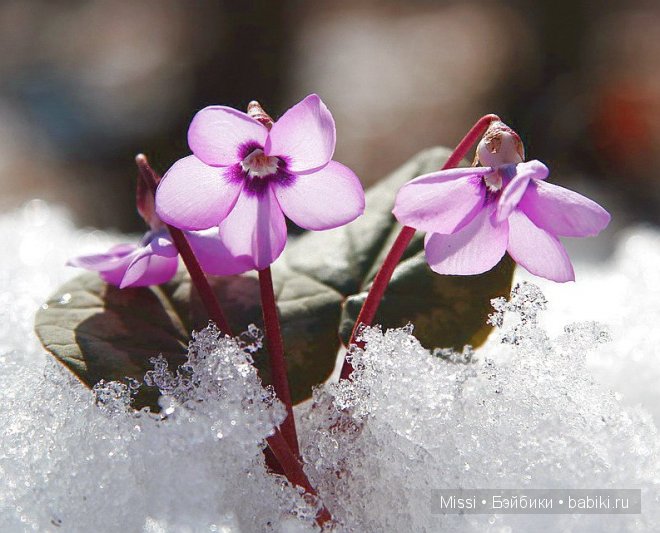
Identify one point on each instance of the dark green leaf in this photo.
(102, 332)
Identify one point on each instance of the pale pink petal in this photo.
(537, 250)
(328, 198)
(147, 268)
(213, 255)
(106, 261)
(475, 248)
(160, 243)
(255, 228)
(114, 275)
(441, 202)
(516, 184)
(195, 196)
(563, 212)
(304, 136)
(219, 135)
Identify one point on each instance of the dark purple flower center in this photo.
(258, 170)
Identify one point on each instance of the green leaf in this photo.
(447, 311)
(101, 332)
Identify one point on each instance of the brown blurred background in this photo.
(85, 85)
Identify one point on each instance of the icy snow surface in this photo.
(522, 412)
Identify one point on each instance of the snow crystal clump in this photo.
(624, 293)
(525, 414)
(91, 463)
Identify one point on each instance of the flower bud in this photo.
(257, 112)
(499, 146)
(145, 193)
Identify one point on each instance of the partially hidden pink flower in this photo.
(151, 262)
(243, 178)
(474, 215)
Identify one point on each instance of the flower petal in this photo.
(160, 243)
(214, 256)
(537, 250)
(328, 198)
(193, 195)
(147, 268)
(218, 135)
(304, 136)
(562, 211)
(474, 249)
(516, 185)
(107, 261)
(255, 229)
(441, 202)
(114, 275)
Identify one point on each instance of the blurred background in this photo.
(85, 85)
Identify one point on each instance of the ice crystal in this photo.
(524, 413)
(528, 416)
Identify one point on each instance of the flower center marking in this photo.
(259, 165)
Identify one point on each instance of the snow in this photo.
(562, 395)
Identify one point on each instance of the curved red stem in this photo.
(382, 279)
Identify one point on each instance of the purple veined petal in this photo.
(442, 202)
(214, 257)
(196, 196)
(255, 228)
(515, 187)
(147, 268)
(475, 248)
(326, 199)
(538, 251)
(106, 261)
(563, 212)
(218, 134)
(304, 136)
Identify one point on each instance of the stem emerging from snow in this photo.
(294, 471)
(276, 356)
(287, 454)
(382, 279)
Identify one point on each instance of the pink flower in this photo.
(474, 215)
(245, 178)
(152, 262)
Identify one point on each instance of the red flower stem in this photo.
(199, 280)
(294, 471)
(382, 279)
(288, 461)
(276, 356)
(197, 275)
